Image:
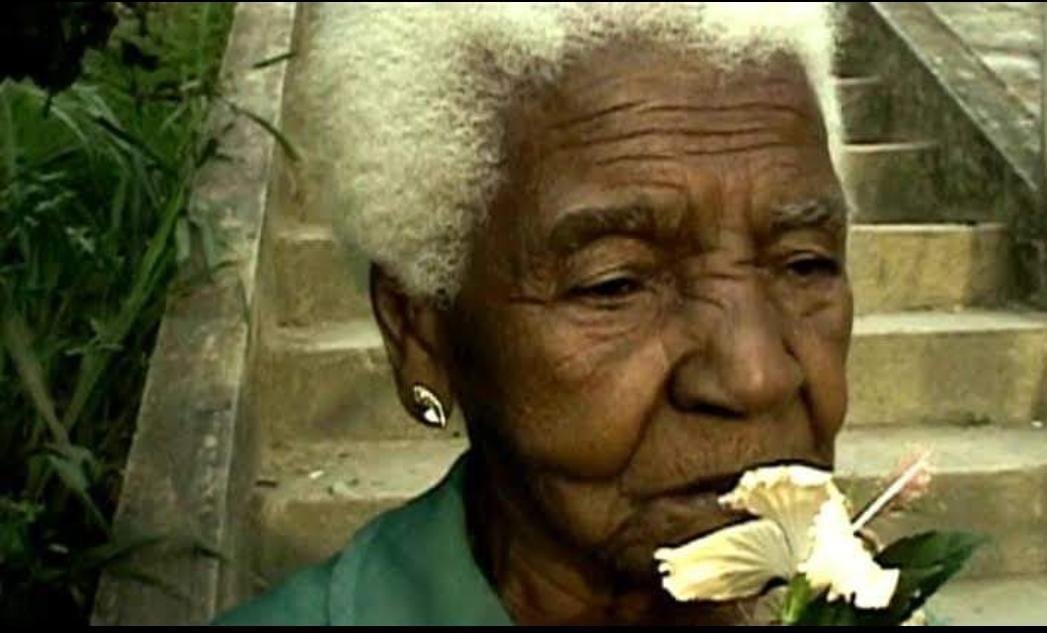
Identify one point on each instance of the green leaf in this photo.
(926, 562)
(113, 551)
(134, 142)
(71, 472)
(16, 519)
(929, 549)
(839, 613)
(282, 140)
(150, 579)
(14, 333)
(275, 59)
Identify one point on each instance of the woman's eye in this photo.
(610, 288)
(811, 266)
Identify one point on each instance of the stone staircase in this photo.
(940, 359)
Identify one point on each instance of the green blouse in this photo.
(409, 566)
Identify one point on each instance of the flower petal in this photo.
(790, 496)
(730, 563)
(840, 562)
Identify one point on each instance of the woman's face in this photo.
(658, 300)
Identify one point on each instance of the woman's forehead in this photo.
(604, 74)
(648, 131)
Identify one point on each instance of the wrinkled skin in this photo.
(657, 302)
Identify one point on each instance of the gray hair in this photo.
(413, 99)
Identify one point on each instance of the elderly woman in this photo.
(613, 235)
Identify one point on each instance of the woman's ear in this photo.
(413, 337)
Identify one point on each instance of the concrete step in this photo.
(331, 381)
(871, 113)
(908, 182)
(896, 267)
(892, 267)
(314, 279)
(968, 368)
(866, 106)
(1004, 601)
(309, 499)
(889, 181)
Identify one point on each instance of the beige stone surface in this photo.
(889, 181)
(315, 280)
(1006, 601)
(1006, 36)
(866, 108)
(971, 367)
(331, 381)
(897, 267)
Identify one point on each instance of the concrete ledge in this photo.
(180, 471)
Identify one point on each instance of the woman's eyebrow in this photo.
(823, 212)
(577, 227)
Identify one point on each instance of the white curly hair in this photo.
(413, 98)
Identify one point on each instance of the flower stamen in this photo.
(917, 468)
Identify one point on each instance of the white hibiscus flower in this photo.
(803, 526)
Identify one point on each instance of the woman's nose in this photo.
(739, 363)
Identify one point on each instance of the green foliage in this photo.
(94, 192)
(926, 562)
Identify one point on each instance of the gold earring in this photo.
(432, 409)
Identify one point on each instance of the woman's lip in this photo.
(718, 485)
(721, 484)
(708, 518)
(673, 520)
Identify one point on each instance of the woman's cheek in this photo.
(590, 512)
(821, 340)
(593, 427)
(580, 385)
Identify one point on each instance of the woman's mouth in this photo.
(718, 485)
